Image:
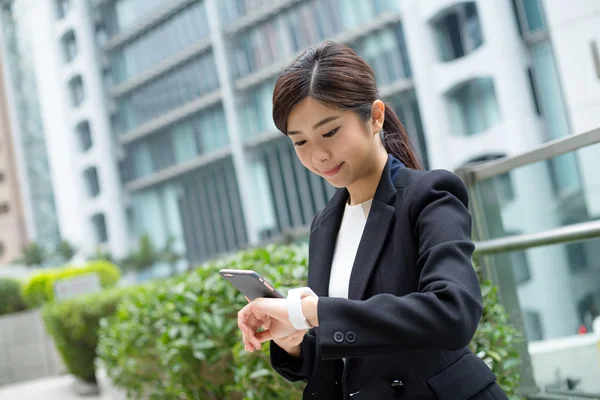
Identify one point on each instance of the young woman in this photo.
(392, 299)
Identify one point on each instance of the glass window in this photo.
(69, 45)
(99, 223)
(77, 93)
(91, 178)
(458, 32)
(175, 34)
(62, 8)
(530, 15)
(141, 161)
(533, 325)
(84, 135)
(547, 83)
(534, 94)
(473, 107)
(301, 25)
(129, 13)
(101, 35)
(174, 89)
(520, 267)
(385, 52)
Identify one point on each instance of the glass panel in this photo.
(62, 8)
(167, 92)
(99, 223)
(77, 94)
(539, 203)
(559, 301)
(128, 13)
(458, 33)
(69, 46)
(550, 95)
(163, 41)
(473, 107)
(534, 15)
(85, 136)
(93, 185)
(304, 24)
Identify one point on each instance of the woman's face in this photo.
(334, 144)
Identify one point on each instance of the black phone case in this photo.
(252, 285)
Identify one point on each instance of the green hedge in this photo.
(10, 296)
(40, 287)
(74, 325)
(179, 339)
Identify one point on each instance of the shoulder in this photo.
(423, 187)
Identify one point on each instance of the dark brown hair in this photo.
(337, 77)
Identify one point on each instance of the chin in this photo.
(336, 183)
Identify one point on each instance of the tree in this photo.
(102, 254)
(33, 254)
(65, 250)
(144, 256)
(169, 255)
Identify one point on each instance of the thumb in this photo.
(264, 336)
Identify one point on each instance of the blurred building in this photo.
(24, 122)
(157, 116)
(13, 232)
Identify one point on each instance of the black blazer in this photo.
(414, 299)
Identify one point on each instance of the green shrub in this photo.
(10, 296)
(496, 342)
(40, 287)
(74, 323)
(179, 339)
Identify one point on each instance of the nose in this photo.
(320, 156)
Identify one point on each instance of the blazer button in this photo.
(397, 385)
(350, 337)
(338, 337)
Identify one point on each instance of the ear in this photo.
(377, 116)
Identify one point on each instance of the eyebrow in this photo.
(318, 124)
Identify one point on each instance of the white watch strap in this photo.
(295, 315)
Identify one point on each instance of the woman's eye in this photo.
(300, 143)
(331, 133)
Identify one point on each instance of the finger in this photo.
(264, 336)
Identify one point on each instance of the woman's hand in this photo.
(272, 315)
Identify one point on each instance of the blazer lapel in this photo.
(374, 235)
(322, 243)
(324, 236)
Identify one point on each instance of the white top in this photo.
(348, 239)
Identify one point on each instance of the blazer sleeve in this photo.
(293, 368)
(445, 311)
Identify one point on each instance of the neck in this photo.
(364, 188)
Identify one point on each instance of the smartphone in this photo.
(250, 283)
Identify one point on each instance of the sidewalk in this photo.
(55, 388)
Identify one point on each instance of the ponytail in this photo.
(396, 141)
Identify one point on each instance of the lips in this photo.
(333, 171)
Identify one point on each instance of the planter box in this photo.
(26, 350)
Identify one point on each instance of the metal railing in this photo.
(576, 232)
(486, 249)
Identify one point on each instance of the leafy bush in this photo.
(179, 339)
(496, 342)
(40, 287)
(10, 296)
(74, 324)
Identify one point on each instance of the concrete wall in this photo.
(26, 350)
